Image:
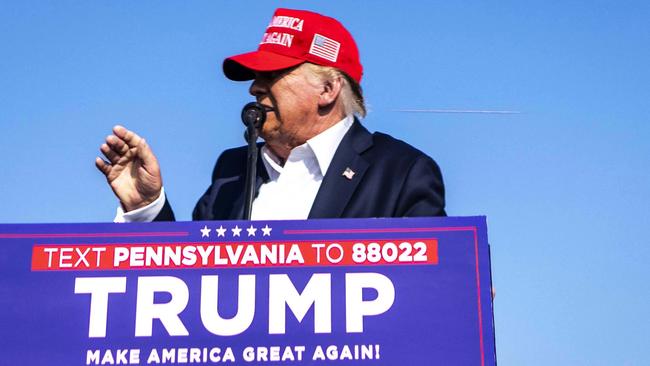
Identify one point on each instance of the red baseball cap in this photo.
(294, 37)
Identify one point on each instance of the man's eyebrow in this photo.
(278, 73)
(268, 75)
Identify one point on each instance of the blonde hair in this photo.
(351, 94)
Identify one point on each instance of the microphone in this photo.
(254, 114)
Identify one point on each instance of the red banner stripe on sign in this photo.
(232, 255)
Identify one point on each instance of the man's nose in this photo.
(258, 88)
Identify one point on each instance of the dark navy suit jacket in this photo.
(392, 179)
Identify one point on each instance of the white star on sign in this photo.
(251, 230)
(221, 231)
(205, 232)
(236, 231)
(266, 231)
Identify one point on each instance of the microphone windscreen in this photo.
(253, 114)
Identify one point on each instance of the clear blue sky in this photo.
(565, 184)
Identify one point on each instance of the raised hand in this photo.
(131, 168)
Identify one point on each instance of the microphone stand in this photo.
(253, 115)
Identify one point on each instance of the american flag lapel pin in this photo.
(348, 173)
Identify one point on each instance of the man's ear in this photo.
(330, 92)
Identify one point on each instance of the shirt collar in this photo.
(323, 146)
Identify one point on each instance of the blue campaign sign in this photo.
(411, 291)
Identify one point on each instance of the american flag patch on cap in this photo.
(324, 47)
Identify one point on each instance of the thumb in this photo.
(146, 154)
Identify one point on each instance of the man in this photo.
(317, 161)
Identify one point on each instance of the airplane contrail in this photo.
(455, 111)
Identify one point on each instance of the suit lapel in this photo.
(337, 189)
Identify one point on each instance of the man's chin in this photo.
(268, 136)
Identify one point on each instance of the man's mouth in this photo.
(266, 107)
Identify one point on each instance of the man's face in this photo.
(293, 94)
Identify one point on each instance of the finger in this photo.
(117, 144)
(102, 165)
(111, 155)
(131, 138)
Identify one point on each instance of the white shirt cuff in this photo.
(142, 214)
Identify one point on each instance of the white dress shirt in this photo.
(292, 187)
